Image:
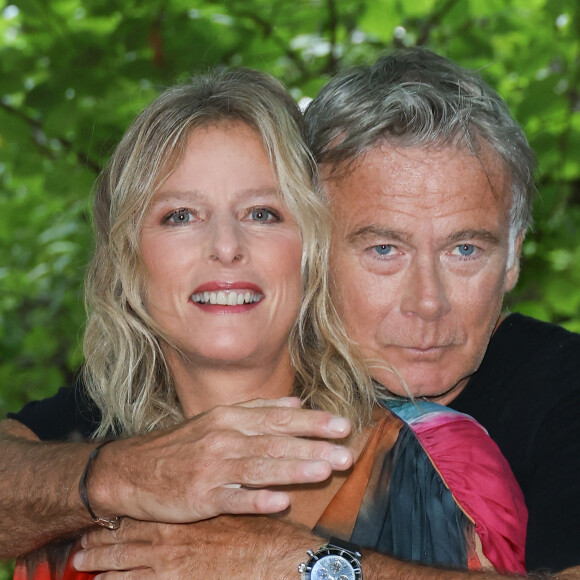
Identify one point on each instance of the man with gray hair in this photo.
(430, 182)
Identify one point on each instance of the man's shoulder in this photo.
(522, 340)
(534, 332)
(525, 359)
(70, 414)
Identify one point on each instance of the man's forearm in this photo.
(380, 567)
(39, 498)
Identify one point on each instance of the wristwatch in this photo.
(337, 560)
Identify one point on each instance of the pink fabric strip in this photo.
(482, 482)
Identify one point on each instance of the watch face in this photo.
(332, 563)
(332, 568)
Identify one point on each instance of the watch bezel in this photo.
(352, 556)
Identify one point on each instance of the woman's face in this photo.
(222, 253)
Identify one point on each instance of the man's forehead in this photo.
(405, 192)
(391, 170)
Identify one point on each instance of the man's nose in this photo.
(226, 241)
(425, 293)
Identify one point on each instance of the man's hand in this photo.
(223, 548)
(232, 548)
(219, 462)
(214, 463)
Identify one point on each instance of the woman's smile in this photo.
(231, 294)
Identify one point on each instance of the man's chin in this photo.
(437, 389)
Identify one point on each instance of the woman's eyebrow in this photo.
(176, 195)
(200, 195)
(259, 192)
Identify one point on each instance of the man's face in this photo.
(419, 262)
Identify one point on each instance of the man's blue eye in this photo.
(466, 249)
(383, 249)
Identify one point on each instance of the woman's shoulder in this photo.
(421, 414)
(473, 468)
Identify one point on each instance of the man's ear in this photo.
(513, 271)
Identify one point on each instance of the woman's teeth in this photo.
(227, 297)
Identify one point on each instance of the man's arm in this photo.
(37, 489)
(187, 473)
(234, 548)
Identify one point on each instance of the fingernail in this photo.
(339, 457)
(78, 559)
(339, 425)
(316, 469)
(279, 501)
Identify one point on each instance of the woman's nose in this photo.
(226, 241)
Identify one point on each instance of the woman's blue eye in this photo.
(180, 216)
(466, 249)
(383, 249)
(261, 214)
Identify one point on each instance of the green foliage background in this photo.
(74, 73)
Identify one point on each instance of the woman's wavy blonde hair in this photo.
(125, 372)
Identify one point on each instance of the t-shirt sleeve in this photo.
(67, 416)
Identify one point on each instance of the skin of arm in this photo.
(234, 548)
(183, 474)
(38, 487)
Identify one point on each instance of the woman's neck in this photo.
(203, 385)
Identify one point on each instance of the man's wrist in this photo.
(289, 550)
(102, 483)
(110, 523)
(336, 558)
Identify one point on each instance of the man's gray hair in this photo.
(416, 98)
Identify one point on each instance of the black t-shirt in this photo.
(526, 393)
(70, 415)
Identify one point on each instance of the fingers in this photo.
(282, 402)
(252, 501)
(271, 447)
(281, 419)
(132, 559)
(260, 472)
(137, 574)
(266, 460)
(141, 574)
(147, 574)
(129, 530)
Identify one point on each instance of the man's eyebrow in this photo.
(374, 231)
(483, 235)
